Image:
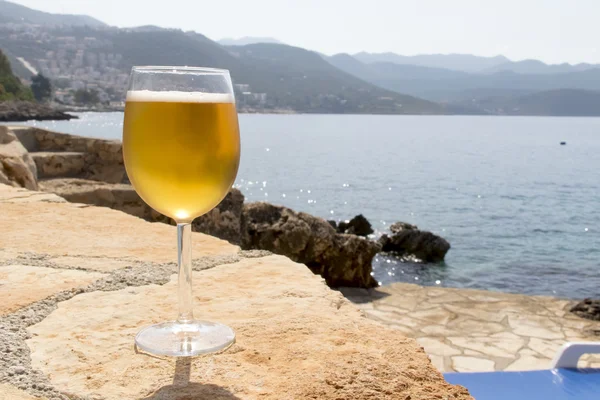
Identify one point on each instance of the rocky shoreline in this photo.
(17, 111)
(91, 171)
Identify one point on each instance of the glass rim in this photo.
(179, 68)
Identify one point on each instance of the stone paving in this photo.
(468, 330)
(77, 282)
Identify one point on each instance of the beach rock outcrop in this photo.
(358, 225)
(407, 240)
(27, 111)
(588, 308)
(17, 168)
(343, 260)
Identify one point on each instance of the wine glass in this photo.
(181, 147)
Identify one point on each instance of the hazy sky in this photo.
(550, 30)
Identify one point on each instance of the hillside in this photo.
(447, 86)
(301, 78)
(12, 12)
(538, 67)
(457, 62)
(81, 53)
(473, 64)
(291, 78)
(560, 102)
(247, 40)
(11, 87)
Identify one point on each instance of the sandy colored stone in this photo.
(101, 264)
(486, 325)
(533, 326)
(21, 285)
(296, 339)
(16, 165)
(6, 255)
(546, 348)
(467, 309)
(438, 316)
(589, 361)
(474, 327)
(18, 195)
(529, 363)
(437, 347)
(65, 229)
(472, 364)
(438, 362)
(489, 346)
(9, 392)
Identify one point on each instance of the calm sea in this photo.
(521, 211)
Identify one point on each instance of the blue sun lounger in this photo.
(564, 381)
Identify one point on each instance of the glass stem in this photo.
(184, 260)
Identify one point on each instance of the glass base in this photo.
(178, 339)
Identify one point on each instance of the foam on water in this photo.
(179, 97)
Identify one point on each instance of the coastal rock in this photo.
(225, 220)
(588, 308)
(343, 260)
(407, 240)
(16, 165)
(27, 111)
(358, 225)
(400, 226)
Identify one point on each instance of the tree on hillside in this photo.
(13, 89)
(41, 87)
(87, 97)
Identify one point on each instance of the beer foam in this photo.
(179, 97)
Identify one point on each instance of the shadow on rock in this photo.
(362, 296)
(183, 389)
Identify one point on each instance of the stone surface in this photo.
(284, 348)
(343, 260)
(9, 392)
(21, 285)
(400, 226)
(224, 221)
(473, 330)
(114, 234)
(101, 264)
(17, 195)
(16, 166)
(408, 242)
(588, 308)
(472, 364)
(358, 225)
(52, 164)
(102, 159)
(296, 338)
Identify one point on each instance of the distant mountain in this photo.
(243, 41)
(12, 12)
(538, 67)
(291, 78)
(457, 62)
(447, 86)
(303, 79)
(560, 102)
